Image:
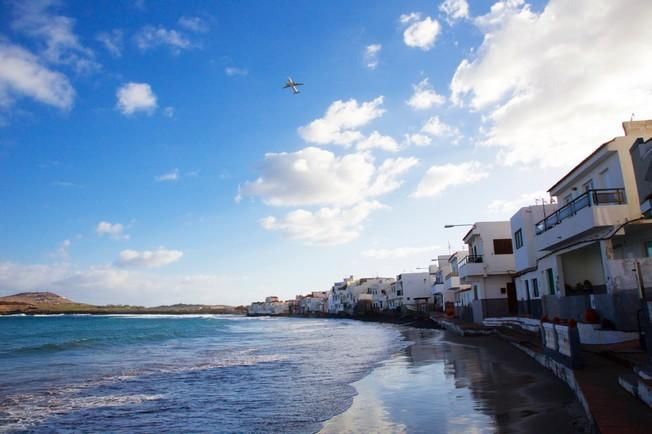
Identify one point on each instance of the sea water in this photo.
(182, 373)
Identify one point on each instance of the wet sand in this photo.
(446, 384)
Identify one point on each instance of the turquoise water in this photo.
(182, 374)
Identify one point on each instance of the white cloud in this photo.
(340, 122)
(148, 258)
(169, 176)
(436, 128)
(417, 139)
(399, 252)
(22, 74)
(420, 33)
(454, 10)
(136, 97)
(313, 176)
(371, 55)
(232, 70)
(112, 41)
(508, 207)
(555, 84)
(409, 18)
(424, 96)
(60, 44)
(377, 140)
(439, 178)
(151, 37)
(194, 24)
(113, 230)
(326, 226)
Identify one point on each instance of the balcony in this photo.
(452, 282)
(471, 265)
(594, 209)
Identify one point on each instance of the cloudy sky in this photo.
(148, 154)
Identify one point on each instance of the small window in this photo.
(518, 239)
(648, 249)
(503, 246)
(535, 287)
(503, 290)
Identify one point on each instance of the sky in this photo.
(149, 155)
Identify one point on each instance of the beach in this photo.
(442, 383)
(212, 373)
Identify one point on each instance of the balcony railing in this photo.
(470, 259)
(606, 196)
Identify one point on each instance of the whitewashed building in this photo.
(489, 268)
(597, 236)
(411, 291)
(527, 257)
(272, 306)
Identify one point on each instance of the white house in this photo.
(488, 268)
(461, 292)
(527, 257)
(597, 236)
(271, 306)
(443, 286)
(411, 291)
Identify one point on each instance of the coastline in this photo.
(411, 391)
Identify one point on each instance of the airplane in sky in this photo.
(292, 85)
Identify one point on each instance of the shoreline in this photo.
(505, 387)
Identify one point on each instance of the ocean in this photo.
(231, 374)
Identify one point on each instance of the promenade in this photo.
(610, 408)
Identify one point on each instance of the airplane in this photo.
(292, 85)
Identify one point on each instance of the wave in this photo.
(22, 411)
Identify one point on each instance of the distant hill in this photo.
(50, 303)
(36, 298)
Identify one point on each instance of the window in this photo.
(648, 249)
(475, 292)
(503, 246)
(518, 239)
(527, 289)
(535, 287)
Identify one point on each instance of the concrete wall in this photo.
(489, 308)
(526, 256)
(490, 287)
(620, 308)
(565, 307)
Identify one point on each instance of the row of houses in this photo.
(588, 247)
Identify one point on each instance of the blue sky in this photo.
(149, 155)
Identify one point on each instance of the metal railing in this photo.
(470, 259)
(596, 197)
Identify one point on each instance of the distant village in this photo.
(587, 249)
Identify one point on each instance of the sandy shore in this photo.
(446, 384)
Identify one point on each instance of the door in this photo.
(512, 303)
(551, 281)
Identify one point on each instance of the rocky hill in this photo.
(50, 303)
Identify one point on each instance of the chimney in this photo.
(638, 129)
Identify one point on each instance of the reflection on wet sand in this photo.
(445, 384)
